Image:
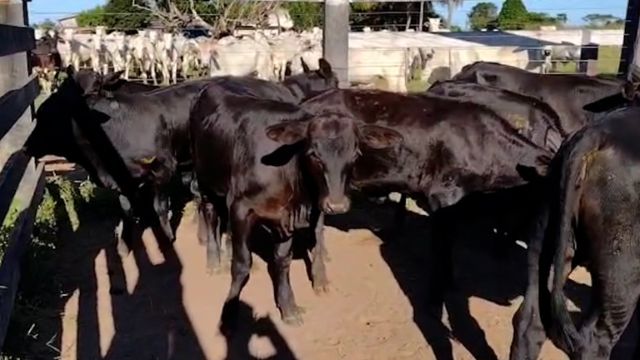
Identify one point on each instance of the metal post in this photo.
(630, 42)
(336, 38)
(421, 18)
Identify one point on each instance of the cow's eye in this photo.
(447, 178)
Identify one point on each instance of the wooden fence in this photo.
(21, 181)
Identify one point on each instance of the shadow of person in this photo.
(484, 265)
(149, 322)
(248, 325)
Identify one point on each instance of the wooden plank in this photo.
(10, 178)
(19, 240)
(14, 103)
(16, 39)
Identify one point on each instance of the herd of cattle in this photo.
(160, 56)
(285, 154)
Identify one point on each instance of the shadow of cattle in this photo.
(487, 264)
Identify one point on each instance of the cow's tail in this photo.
(572, 171)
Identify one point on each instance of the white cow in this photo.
(99, 53)
(117, 44)
(238, 57)
(393, 65)
(74, 51)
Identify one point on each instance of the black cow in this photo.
(566, 93)
(270, 162)
(294, 89)
(532, 118)
(149, 132)
(588, 215)
(95, 83)
(443, 150)
(45, 58)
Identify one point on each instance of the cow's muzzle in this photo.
(336, 206)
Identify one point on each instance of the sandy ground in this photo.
(151, 304)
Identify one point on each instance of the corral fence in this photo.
(21, 181)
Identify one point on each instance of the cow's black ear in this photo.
(530, 173)
(70, 70)
(305, 67)
(288, 132)
(98, 116)
(378, 137)
(112, 79)
(325, 68)
(607, 103)
(282, 155)
(287, 70)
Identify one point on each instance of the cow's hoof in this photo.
(293, 317)
(321, 289)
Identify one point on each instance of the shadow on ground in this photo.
(486, 264)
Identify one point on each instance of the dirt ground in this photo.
(151, 304)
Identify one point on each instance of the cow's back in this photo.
(532, 118)
(565, 93)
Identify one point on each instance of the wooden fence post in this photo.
(630, 41)
(14, 73)
(335, 42)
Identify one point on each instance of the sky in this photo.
(575, 9)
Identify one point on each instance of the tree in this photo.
(603, 21)
(451, 6)
(482, 14)
(122, 15)
(92, 17)
(562, 17)
(46, 25)
(513, 15)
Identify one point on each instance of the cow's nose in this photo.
(333, 207)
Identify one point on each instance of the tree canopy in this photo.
(483, 15)
(513, 15)
(599, 21)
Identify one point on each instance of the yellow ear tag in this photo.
(147, 160)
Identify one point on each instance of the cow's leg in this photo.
(401, 211)
(616, 294)
(242, 221)
(206, 227)
(529, 334)
(161, 207)
(318, 270)
(154, 76)
(291, 313)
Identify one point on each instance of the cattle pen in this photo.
(23, 185)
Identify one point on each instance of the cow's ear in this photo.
(70, 70)
(606, 103)
(98, 116)
(305, 67)
(531, 173)
(112, 79)
(287, 70)
(288, 132)
(325, 68)
(378, 137)
(486, 79)
(283, 154)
